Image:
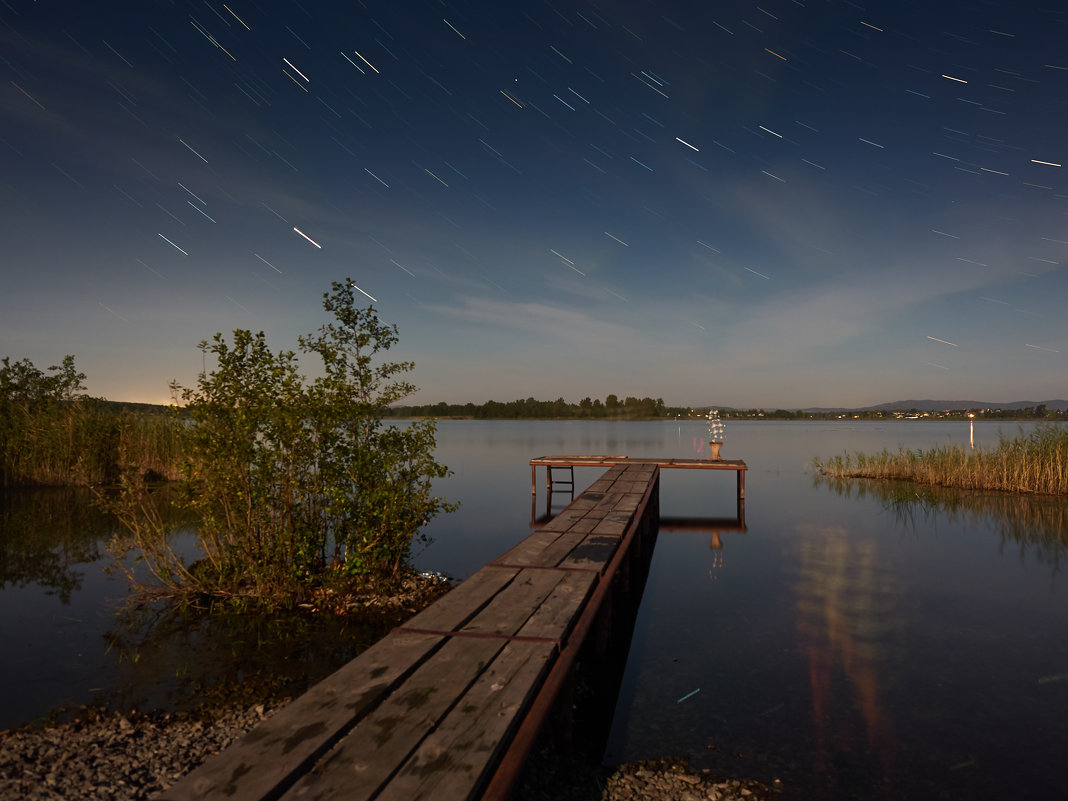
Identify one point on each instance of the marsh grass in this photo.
(1032, 463)
(85, 443)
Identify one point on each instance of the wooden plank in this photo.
(275, 753)
(629, 503)
(622, 501)
(593, 553)
(539, 538)
(587, 524)
(541, 552)
(512, 607)
(562, 522)
(631, 487)
(608, 501)
(556, 615)
(464, 601)
(612, 524)
(363, 762)
(457, 758)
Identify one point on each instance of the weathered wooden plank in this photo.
(609, 499)
(359, 766)
(458, 756)
(628, 503)
(539, 539)
(588, 523)
(563, 521)
(612, 524)
(593, 553)
(541, 551)
(556, 615)
(636, 487)
(464, 601)
(513, 606)
(279, 750)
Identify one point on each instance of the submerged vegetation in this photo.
(1029, 524)
(299, 495)
(1033, 463)
(53, 434)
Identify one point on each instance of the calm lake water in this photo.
(853, 639)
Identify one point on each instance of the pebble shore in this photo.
(113, 756)
(117, 757)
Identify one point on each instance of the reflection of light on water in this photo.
(846, 613)
(715, 544)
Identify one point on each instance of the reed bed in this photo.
(1032, 463)
(83, 444)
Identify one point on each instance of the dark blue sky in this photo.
(788, 203)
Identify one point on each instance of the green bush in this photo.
(298, 490)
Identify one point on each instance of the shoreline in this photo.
(134, 757)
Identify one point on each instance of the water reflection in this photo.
(848, 617)
(46, 536)
(1028, 524)
(715, 528)
(64, 653)
(171, 660)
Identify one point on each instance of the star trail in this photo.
(773, 205)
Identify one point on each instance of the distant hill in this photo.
(943, 405)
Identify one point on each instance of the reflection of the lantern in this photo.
(716, 528)
(716, 546)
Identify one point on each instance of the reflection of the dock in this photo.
(715, 528)
(710, 524)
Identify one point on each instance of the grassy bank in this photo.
(1035, 463)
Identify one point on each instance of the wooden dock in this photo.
(449, 705)
(568, 463)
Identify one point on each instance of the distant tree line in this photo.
(629, 408)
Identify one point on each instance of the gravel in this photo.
(114, 756)
(547, 777)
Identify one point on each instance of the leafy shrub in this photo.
(297, 488)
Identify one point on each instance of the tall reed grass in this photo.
(84, 443)
(1031, 463)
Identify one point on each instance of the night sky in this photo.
(790, 204)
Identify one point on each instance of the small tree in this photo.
(295, 486)
(43, 423)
